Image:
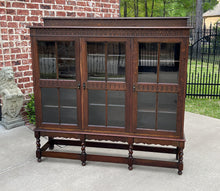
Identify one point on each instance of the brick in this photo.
(11, 31)
(4, 31)
(19, 5)
(60, 14)
(2, 3)
(3, 24)
(68, 8)
(13, 37)
(90, 15)
(27, 85)
(81, 3)
(71, 14)
(5, 37)
(79, 14)
(28, 73)
(5, 44)
(71, 3)
(32, 18)
(33, 6)
(105, 10)
(12, 25)
(5, 51)
(20, 86)
(88, 9)
(36, 12)
(9, 18)
(49, 13)
(27, 79)
(113, 1)
(49, 1)
(19, 18)
(6, 57)
(18, 74)
(60, 2)
(22, 12)
(2, 11)
(15, 50)
(16, 63)
(57, 7)
(45, 6)
(11, 11)
(107, 15)
(23, 68)
(36, 1)
(107, 5)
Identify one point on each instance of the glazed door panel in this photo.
(106, 84)
(59, 83)
(155, 95)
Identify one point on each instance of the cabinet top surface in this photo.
(128, 22)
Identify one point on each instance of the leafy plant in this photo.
(30, 109)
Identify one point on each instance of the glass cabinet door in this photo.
(59, 79)
(106, 85)
(156, 86)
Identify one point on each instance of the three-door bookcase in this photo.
(116, 83)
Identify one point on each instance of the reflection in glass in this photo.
(167, 107)
(116, 62)
(49, 99)
(68, 106)
(96, 61)
(66, 60)
(146, 111)
(147, 63)
(96, 107)
(169, 63)
(47, 60)
(116, 108)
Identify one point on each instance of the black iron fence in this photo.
(203, 72)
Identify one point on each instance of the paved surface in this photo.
(20, 171)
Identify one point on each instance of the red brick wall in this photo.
(16, 15)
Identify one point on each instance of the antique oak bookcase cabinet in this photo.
(111, 83)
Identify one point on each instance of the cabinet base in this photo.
(83, 156)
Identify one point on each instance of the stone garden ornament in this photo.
(12, 99)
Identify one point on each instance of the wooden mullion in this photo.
(158, 71)
(56, 56)
(58, 92)
(106, 81)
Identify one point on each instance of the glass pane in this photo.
(68, 104)
(167, 102)
(116, 62)
(68, 115)
(167, 107)
(166, 121)
(116, 108)
(147, 63)
(96, 107)
(146, 111)
(50, 110)
(66, 60)
(96, 61)
(169, 63)
(47, 60)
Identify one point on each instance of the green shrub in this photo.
(30, 109)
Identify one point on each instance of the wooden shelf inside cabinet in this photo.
(94, 80)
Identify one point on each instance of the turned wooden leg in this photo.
(180, 161)
(130, 157)
(50, 139)
(38, 151)
(177, 153)
(83, 153)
